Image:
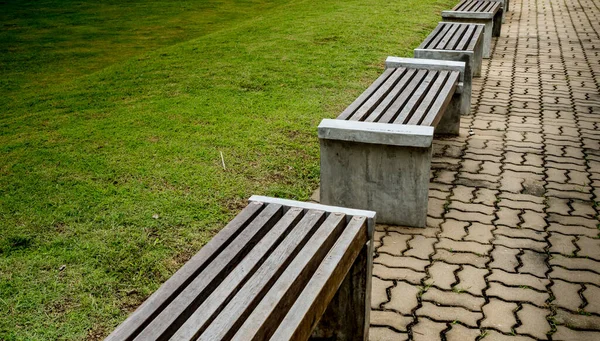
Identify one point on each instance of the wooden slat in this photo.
(416, 98)
(400, 101)
(436, 31)
(311, 304)
(460, 5)
(174, 285)
(385, 104)
(473, 39)
(442, 44)
(429, 99)
(466, 39)
(441, 36)
(378, 96)
(462, 28)
(265, 284)
(194, 294)
(493, 6)
(469, 6)
(347, 113)
(439, 107)
(246, 269)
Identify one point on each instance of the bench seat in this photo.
(280, 270)
(459, 42)
(488, 13)
(377, 154)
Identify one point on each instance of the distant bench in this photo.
(458, 42)
(377, 154)
(487, 12)
(280, 270)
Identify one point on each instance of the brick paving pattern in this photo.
(512, 248)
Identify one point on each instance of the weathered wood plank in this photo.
(474, 37)
(400, 101)
(314, 299)
(349, 111)
(428, 101)
(361, 113)
(146, 312)
(442, 43)
(444, 31)
(265, 317)
(416, 98)
(462, 45)
(246, 269)
(385, 104)
(433, 117)
(460, 32)
(173, 316)
(348, 314)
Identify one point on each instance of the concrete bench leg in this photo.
(498, 20)
(347, 317)
(391, 180)
(449, 124)
(487, 31)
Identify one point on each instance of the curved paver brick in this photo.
(521, 182)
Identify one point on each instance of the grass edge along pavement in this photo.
(117, 174)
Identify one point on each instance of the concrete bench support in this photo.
(377, 166)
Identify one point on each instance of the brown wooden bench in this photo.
(377, 154)
(484, 12)
(459, 42)
(280, 270)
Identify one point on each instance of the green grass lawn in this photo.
(113, 117)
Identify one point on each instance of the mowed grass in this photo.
(113, 120)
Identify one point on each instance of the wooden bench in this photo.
(280, 270)
(484, 12)
(377, 154)
(459, 42)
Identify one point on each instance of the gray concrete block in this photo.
(388, 179)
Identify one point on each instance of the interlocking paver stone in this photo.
(524, 280)
(471, 279)
(517, 294)
(421, 247)
(592, 295)
(513, 225)
(404, 298)
(426, 330)
(499, 315)
(504, 258)
(492, 335)
(403, 274)
(385, 334)
(394, 244)
(462, 333)
(390, 318)
(565, 334)
(442, 275)
(451, 298)
(577, 321)
(449, 314)
(378, 292)
(533, 321)
(566, 295)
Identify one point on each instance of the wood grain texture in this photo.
(175, 314)
(304, 315)
(146, 312)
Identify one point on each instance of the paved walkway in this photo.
(512, 249)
